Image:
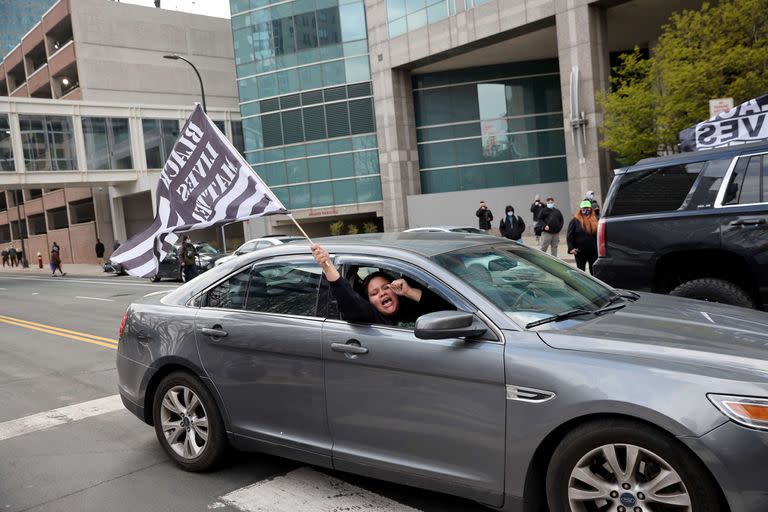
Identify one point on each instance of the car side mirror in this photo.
(448, 324)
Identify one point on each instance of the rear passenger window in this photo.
(229, 294)
(286, 288)
(655, 190)
(744, 186)
(705, 191)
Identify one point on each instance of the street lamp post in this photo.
(202, 94)
(24, 260)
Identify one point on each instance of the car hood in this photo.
(676, 330)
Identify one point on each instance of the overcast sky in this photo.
(219, 8)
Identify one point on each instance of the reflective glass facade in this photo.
(6, 151)
(18, 16)
(48, 142)
(107, 143)
(159, 137)
(406, 15)
(490, 127)
(304, 83)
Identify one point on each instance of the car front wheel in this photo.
(621, 465)
(188, 423)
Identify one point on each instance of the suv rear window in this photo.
(655, 190)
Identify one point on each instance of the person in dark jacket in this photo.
(582, 236)
(536, 209)
(390, 302)
(484, 216)
(100, 251)
(511, 226)
(5, 257)
(595, 205)
(552, 223)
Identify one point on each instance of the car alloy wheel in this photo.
(619, 465)
(628, 477)
(188, 423)
(184, 422)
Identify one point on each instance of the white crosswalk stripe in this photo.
(306, 490)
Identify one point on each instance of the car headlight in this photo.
(744, 410)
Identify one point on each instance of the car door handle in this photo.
(213, 333)
(748, 222)
(351, 347)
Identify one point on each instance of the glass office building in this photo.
(306, 100)
(18, 16)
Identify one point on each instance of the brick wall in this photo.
(61, 237)
(83, 238)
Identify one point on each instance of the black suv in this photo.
(693, 225)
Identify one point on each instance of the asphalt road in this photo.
(66, 443)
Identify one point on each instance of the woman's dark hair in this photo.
(369, 277)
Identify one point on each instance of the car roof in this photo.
(695, 156)
(438, 227)
(424, 244)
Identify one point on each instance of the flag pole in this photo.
(290, 215)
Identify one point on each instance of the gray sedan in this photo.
(535, 386)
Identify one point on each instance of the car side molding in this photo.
(531, 395)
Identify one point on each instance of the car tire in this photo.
(714, 290)
(155, 278)
(188, 423)
(581, 457)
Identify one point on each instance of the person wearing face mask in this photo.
(582, 236)
(536, 208)
(390, 301)
(595, 205)
(511, 226)
(552, 223)
(484, 217)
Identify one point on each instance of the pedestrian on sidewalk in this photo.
(56, 260)
(595, 205)
(484, 217)
(582, 236)
(100, 252)
(512, 226)
(5, 257)
(13, 256)
(536, 209)
(552, 223)
(188, 259)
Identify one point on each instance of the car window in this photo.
(206, 249)
(733, 189)
(525, 283)
(705, 191)
(231, 293)
(286, 288)
(750, 189)
(655, 190)
(765, 179)
(430, 302)
(247, 247)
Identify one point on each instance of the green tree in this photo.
(717, 51)
(337, 228)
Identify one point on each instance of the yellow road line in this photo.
(59, 329)
(62, 334)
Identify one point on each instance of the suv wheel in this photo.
(714, 290)
(627, 466)
(188, 423)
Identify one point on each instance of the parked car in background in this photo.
(170, 267)
(693, 225)
(445, 229)
(258, 243)
(529, 386)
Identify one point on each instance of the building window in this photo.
(159, 138)
(107, 143)
(6, 150)
(48, 142)
(237, 136)
(406, 15)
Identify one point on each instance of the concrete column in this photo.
(118, 219)
(16, 146)
(77, 127)
(103, 213)
(581, 41)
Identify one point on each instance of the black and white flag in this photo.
(205, 182)
(745, 123)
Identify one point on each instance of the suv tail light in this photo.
(122, 324)
(601, 252)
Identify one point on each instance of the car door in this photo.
(259, 337)
(425, 412)
(744, 228)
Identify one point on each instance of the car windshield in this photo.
(206, 249)
(526, 284)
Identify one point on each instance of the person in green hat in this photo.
(582, 236)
